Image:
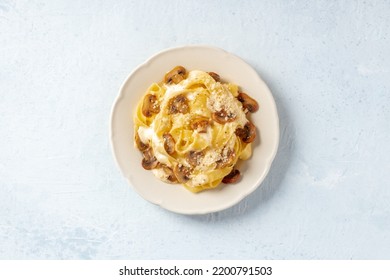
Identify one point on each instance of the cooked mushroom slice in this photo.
(150, 105)
(227, 158)
(169, 172)
(248, 102)
(169, 143)
(176, 75)
(140, 145)
(248, 133)
(178, 104)
(223, 117)
(149, 161)
(182, 173)
(215, 76)
(232, 177)
(195, 157)
(200, 124)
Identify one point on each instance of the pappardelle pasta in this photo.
(192, 128)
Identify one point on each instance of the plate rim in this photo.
(240, 197)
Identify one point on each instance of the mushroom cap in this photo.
(176, 75)
(195, 157)
(200, 124)
(232, 177)
(215, 76)
(149, 161)
(248, 102)
(169, 172)
(178, 104)
(182, 173)
(247, 133)
(223, 117)
(140, 145)
(227, 159)
(150, 105)
(169, 143)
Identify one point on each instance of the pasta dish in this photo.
(192, 128)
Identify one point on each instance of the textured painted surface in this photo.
(327, 64)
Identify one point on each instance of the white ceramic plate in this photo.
(175, 197)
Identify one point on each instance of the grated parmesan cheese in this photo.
(199, 180)
(222, 99)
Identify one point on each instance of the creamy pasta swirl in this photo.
(192, 129)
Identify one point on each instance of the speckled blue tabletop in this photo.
(327, 195)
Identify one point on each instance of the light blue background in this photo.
(327, 64)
